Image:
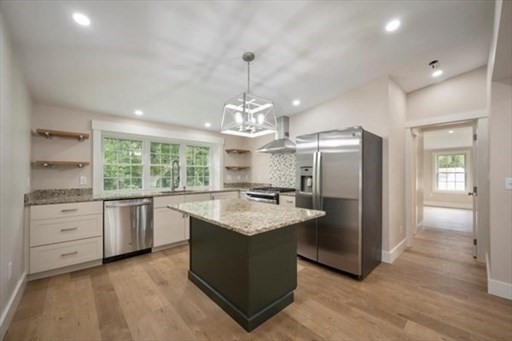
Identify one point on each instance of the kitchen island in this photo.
(243, 255)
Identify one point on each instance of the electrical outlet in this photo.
(9, 270)
(83, 180)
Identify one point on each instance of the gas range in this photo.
(268, 195)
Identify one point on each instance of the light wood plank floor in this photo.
(448, 218)
(434, 291)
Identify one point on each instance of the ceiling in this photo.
(178, 61)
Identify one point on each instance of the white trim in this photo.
(391, 256)
(448, 205)
(498, 288)
(12, 304)
(445, 119)
(64, 270)
(154, 132)
(495, 287)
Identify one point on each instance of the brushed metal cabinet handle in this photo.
(69, 254)
(69, 229)
(69, 210)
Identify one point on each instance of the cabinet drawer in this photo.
(48, 257)
(65, 210)
(288, 201)
(49, 231)
(159, 202)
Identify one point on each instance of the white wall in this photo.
(500, 127)
(58, 118)
(465, 93)
(396, 195)
(15, 176)
(260, 162)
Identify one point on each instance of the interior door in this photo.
(339, 233)
(307, 146)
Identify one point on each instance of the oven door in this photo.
(261, 199)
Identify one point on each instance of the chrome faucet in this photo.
(175, 175)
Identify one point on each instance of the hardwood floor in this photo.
(433, 291)
(448, 218)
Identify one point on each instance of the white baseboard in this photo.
(494, 287)
(498, 288)
(391, 256)
(12, 304)
(448, 205)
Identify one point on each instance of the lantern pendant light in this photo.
(248, 115)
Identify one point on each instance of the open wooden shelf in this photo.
(64, 164)
(236, 168)
(237, 151)
(48, 133)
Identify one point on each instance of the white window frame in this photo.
(147, 135)
(467, 161)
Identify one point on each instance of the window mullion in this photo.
(146, 164)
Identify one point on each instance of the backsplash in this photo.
(282, 170)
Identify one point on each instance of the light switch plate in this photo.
(83, 180)
(508, 183)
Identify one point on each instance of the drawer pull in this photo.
(69, 254)
(289, 202)
(68, 229)
(69, 210)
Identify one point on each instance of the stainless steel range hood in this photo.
(282, 143)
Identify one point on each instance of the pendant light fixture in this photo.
(248, 115)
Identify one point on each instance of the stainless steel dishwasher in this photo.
(128, 228)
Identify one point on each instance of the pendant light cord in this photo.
(248, 77)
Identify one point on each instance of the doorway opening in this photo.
(444, 180)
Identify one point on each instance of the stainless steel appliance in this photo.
(340, 172)
(128, 228)
(269, 195)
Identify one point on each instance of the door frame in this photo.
(481, 178)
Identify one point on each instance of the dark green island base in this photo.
(251, 278)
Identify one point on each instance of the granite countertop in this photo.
(246, 217)
(64, 196)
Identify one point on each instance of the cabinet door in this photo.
(224, 195)
(169, 226)
(286, 201)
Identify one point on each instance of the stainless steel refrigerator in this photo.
(340, 172)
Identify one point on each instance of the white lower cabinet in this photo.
(65, 234)
(285, 200)
(168, 225)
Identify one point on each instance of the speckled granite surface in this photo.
(246, 217)
(63, 196)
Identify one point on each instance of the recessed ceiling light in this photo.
(81, 19)
(393, 25)
(296, 102)
(437, 73)
(138, 112)
(207, 124)
(450, 131)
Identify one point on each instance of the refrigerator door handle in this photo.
(314, 189)
(318, 180)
